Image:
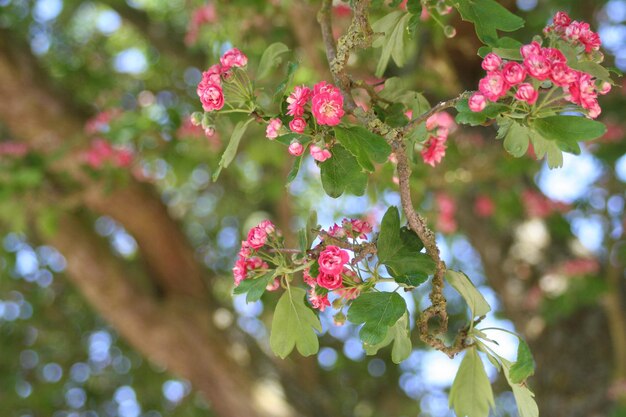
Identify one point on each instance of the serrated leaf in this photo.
(342, 173)
(293, 325)
(231, 150)
(474, 299)
(548, 148)
(524, 366)
(399, 334)
(526, 405)
(399, 250)
(569, 128)
(364, 145)
(270, 59)
(471, 394)
(378, 311)
(488, 17)
(254, 288)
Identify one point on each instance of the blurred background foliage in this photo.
(548, 248)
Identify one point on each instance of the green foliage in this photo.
(294, 324)
(399, 334)
(399, 250)
(471, 394)
(364, 145)
(466, 116)
(271, 59)
(524, 397)
(474, 299)
(254, 288)
(488, 17)
(392, 26)
(524, 366)
(568, 128)
(231, 150)
(378, 311)
(342, 173)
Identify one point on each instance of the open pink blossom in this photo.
(493, 86)
(526, 92)
(332, 259)
(328, 108)
(297, 125)
(267, 226)
(538, 66)
(434, 151)
(239, 271)
(212, 97)
(330, 281)
(296, 148)
(319, 302)
(491, 62)
(561, 19)
(273, 127)
(562, 75)
(513, 73)
(297, 100)
(477, 102)
(532, 48)
(233, 58)
(257, 237)
(319, 154)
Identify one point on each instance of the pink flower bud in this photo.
(296, 148)
(297, 125)
(319, 154)
(527, 93)
(274, 125)
(477, 102)
(491, 62)
(513, 73)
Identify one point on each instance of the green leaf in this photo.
(342, 173)
(280, 90)
(524, 367)
(471, 394)
(293, 173)
(366, 146)
(254, 288)
(488, 17)
(526, 405)
(270, 59)
(474, 299)
(399, 334)
(593, 68)
(378, 311)
(548, 148)
(392, 42)
(466, 116)
(293, 325)
(231, 150)
(569, 128)
(517, 139)
(399, 250)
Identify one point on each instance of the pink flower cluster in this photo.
(439, 126)
(247, 264)
(210, 87)
(13, 149)
(326, 105)
(577, 33)
(350, 228)
(101, 152)
(519, 80)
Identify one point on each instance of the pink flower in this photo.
(202, 15)
(484, 206)
(123, 157)
(257, 237)
(591, 41)
(553, 55)
(267, 226)
(210, 77)
(271, 132)
(327, 104)
(332, 259)
(308, 279)
(513, 73)
(246, 250)
(562, 75)
(233, 58)
(296, 148)
(256, 263)
(329, 281)
(493, 86)
(532, 48)
(336, 231)
(319, 154)
(358, 228)
(319, 302)
(434, 151)
(605, 87)
(273, 286)
(491, 62)
(239, 271)
(561, 19)
(297, 100)
(576, 29)
(538, 66)
(211, 96)
(447, 208)
(297, 125)
(477, 102)
(526, 92)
